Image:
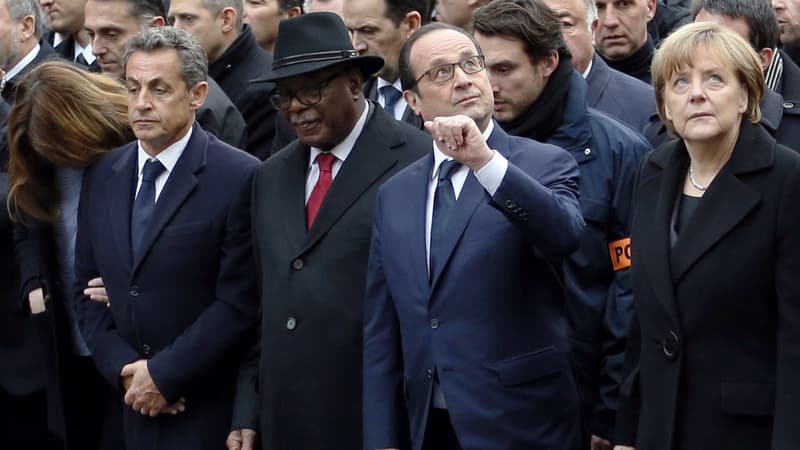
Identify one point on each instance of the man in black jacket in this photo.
(539, 95)
(234, 59)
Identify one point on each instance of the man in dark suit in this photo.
(111, 23)
(381, 27)
(20, 50)
(312, 209)
(234, 59)
(164, 221)
(465, 332)
(66, 33)
(621, 96)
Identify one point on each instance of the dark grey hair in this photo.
(17, 9)
(215, 6)
(194, 63)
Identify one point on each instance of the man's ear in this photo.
(411, 23)
(229, 17)
(27, 26)
(412, 99)
(765, 55)
(157, 21)
(197, 95)
(550, 64)
(294, 11)
(651, 9)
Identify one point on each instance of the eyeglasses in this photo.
(445, 72)
(307, 96)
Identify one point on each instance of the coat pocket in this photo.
(530, 366)
(749, 399)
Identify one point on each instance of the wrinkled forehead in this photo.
(440, 47)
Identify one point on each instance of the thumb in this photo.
(128, 369)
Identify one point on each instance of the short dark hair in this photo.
(758, 14)
(407, 78)
(396, 10)
(285, 5)
(530, 21)
(145, 10)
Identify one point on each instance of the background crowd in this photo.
(399, 224)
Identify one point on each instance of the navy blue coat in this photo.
(619, 95)
(491, 320)
(599, 302)
(187, 302)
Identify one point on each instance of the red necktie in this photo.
(325, 162)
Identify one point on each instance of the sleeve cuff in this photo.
(491, 175)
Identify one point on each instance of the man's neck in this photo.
(82, 38)
(227, 41)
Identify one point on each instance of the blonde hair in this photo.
(62, 116)
(681, 47)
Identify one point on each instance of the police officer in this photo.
(539, 95)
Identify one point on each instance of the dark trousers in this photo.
(439, 432)
(23, 423)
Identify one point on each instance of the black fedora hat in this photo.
(310, 42)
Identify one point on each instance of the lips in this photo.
(699, 115)
(467, 99)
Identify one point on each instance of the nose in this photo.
(98, 48)
(461, 78)
(141, 100)
(45, 3)
(609, 16)
(358, 43)
(696, 91)
(777, 4)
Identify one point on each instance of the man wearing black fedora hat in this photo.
(312, 217)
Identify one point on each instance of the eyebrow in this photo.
(441, 60)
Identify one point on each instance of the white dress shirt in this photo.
(23, 63)
(489, 176)
(340, 151)
(400, 105)
(168, 157)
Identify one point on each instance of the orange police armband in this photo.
(620, 253)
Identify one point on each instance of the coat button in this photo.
(510, 204)
(429, 374)
(671, 345)
(297, 264)
(146, 350)
(134, 291)
(434, 323)
(291, 323)
(587, 152)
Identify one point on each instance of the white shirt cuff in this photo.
(491, 175)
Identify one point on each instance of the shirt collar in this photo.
(343, 149)
(439, 157)
(85, 51)
(585, 73)
(396, 84)
(169, 156)
(23, 63)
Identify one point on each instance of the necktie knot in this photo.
(448, 168)
(325, 161)
(390, 97)
(152, 169)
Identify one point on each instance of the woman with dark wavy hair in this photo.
(62, 121)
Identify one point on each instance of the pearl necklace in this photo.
(696, 185)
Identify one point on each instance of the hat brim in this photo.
(369, 65)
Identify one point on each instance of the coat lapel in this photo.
(727, 201)
(656, 198)
(366, 164)
(415, 219)
(181, 182)
(119, 195)
(292, 202)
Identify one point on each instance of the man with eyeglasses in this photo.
(539, 95)
(465, 332)
(313, 204)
